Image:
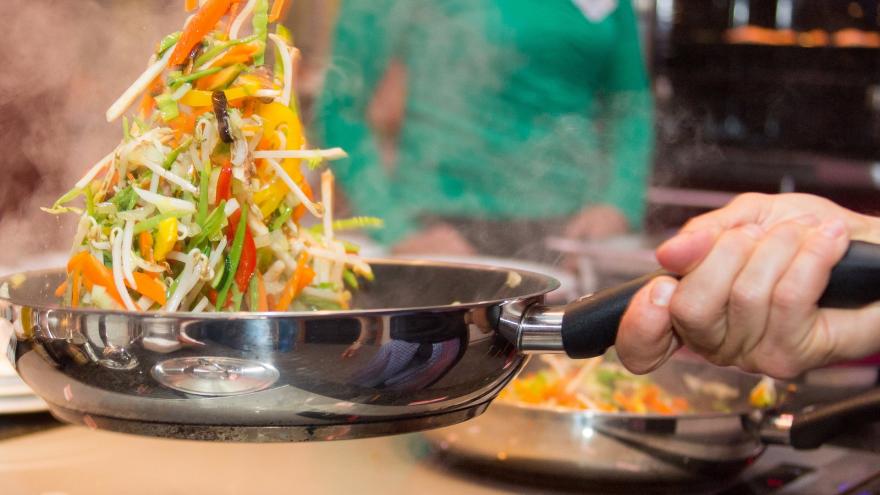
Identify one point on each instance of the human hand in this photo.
(752, 273)
(597, 222)
(352, 350)
(439, 239)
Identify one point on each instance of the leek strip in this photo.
(127, 261)
(116, 254)
(287, 67)
(315, 209)
(171, 177)
(153, 222)
(139, 86)
(165, 204)
(328, 154)
(241, 18)
(327, 200)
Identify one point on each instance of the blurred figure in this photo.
(494, 123)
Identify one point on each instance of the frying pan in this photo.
(431, 344)
(540, 443)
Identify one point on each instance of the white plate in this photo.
(24, 404)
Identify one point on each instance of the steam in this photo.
(63, 64)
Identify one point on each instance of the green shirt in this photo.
(515, 109)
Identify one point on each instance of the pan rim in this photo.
(560, 412)
(550, 284)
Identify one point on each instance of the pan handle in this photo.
(588, 326)
(815, 425)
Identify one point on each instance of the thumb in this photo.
(852, 334)
(645, 338)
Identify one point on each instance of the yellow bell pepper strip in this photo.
(150, 287)
(301, 279)
(154, 221)
(277, 116)
(166, 238)
(95, 273)
(200, 25)
(221, 79)
(274, 115)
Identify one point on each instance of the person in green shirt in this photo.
(522, 119)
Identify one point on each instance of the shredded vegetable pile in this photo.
(595, 385)
(603, 384)
(201, 206)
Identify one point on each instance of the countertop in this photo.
(74, 460)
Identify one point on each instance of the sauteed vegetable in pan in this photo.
(603, 385)
(200, 207)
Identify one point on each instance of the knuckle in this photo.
(689, 312)
(786, 297)
(746, 296)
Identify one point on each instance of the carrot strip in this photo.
(233, 13)
(202, 23)
(279, 8)
(239, 54)
(95, 272)
(59, 291)
(262, 300)
(301, 278)
(150, 287)
(145, 240)
(190, 5)
(74, 293)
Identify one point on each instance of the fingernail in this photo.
(808, 220)
(833, 228)
(662, 292)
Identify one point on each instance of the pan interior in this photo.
(397, 285)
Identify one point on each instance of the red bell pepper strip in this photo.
(202, 23)
(224, 186)
(248, 261)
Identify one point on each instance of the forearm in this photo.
(628, 146)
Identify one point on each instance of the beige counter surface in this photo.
(77, 461)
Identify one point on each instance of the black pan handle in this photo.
(589, 325)
(817, 424)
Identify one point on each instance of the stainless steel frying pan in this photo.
(543, 443)
(430, 345)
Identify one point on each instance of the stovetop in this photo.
(827, 470)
